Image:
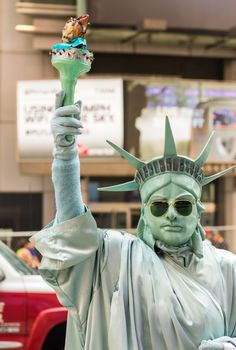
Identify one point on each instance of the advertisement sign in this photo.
(195, 109)
(151, 125)
(102, 116)
(218, 116)
(175, 100)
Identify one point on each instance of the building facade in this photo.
(28, 31)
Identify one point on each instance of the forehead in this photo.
(171, 184)
(171, 191)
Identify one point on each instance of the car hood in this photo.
(35, 283)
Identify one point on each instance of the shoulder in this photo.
(115, 241)
(222, 256)
(116, 238)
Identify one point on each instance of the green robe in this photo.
(121, 295)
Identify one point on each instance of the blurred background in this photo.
(152, 59)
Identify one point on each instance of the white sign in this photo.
(151, 125)
(102, 116)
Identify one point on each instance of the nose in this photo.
(171, 213)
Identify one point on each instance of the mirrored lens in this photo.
(183, 207)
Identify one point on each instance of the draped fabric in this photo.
(121, 295)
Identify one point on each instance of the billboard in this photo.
(218, 115)
(195, 109)
(102, 116)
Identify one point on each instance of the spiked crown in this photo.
(170, 162)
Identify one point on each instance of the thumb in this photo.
(59, 99)
(79, 106)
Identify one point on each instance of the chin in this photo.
(170, 242)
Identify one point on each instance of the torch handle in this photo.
(68, 85)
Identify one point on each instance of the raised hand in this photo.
(65, 128)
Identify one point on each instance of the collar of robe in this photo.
(182, 255)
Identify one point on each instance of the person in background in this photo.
(27, 252)
(216, 239)
(219, 241)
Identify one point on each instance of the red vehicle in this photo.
(31, 317)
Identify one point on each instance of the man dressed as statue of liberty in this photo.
(164, 289)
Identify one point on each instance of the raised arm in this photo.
(66, 166)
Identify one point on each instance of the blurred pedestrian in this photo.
(27, 253)
(216, 238)
(218, 241)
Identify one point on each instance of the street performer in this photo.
(164, 289)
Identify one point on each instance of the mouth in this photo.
(173, 228)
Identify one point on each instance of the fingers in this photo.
(67, 121)
(59, 99)
(79, 105)
(70, 131)
(72, 125)
(61, 111)
(67, 110)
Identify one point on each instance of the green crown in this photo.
(170, 162)
(163, 165)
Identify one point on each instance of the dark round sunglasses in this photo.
(182, 207)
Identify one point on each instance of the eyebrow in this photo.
(157, 197)
(185, 196)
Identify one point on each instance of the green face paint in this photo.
(175, 225)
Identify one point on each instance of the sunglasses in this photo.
(182, 207)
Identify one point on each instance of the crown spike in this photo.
(211, 178)
(205, 152)
(135, 162)
(127, 186)
(170, 149)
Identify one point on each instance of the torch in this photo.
(71, 57)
